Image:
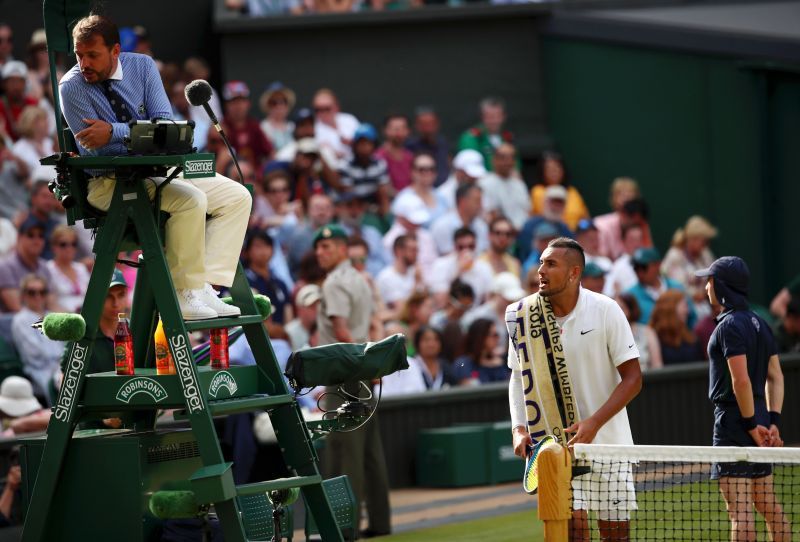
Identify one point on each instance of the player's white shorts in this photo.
(608, 490)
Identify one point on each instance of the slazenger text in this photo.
(70, 387)
(183, 362)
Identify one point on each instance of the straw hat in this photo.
(697, 226)
(276, 88)
(16, 397)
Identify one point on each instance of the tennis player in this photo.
(602, 359)
(746, 387)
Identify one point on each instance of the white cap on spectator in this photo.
(308, 145)
(16, 397)
(308, 295)
(15, 68)
(39, 37)
(408, 207)
(471, 162)
(508, 286)
(555, 191)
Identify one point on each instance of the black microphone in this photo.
(198, 93)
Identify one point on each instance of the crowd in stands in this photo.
(273, 8)
(446, 232)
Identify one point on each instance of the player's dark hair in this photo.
(96, 25)
(573, 248)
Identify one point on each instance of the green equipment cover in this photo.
(344, 363)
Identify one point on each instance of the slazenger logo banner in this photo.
(69, 388)
(141, 386)
(183, 365)
(193, 169)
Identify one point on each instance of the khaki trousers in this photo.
(197, 250)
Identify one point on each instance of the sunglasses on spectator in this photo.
(469, 246)
(323, 109)
(34, 234)
(425, 169)
(505, 233)
(277, 102)
(65, 244)
(36, 291)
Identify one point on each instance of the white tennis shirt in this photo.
(597, 339)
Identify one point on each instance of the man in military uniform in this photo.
(489, 134)
(344, 317)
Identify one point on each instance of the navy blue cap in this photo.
(30, 223)
(304, 113)
(732, 270)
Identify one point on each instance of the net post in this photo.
(555, 466)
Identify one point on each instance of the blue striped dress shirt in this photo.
(137, 81)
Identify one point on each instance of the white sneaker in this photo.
(208, 295)
(192, 306)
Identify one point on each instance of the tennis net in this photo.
(676, 493)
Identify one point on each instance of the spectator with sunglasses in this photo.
(40, 356)
(70, 278)
(27, 259)
(276, 102)
(461, 263)
(420, 193)
(501, 237)
(334, 129)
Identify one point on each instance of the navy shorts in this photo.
(728, 431)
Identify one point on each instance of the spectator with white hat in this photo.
(468, 168)
(408, 220)
(306, 305)
(15, 78)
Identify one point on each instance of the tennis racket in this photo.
(530, 478)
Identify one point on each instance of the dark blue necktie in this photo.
(116, 102)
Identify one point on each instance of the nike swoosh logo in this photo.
(585, 332)
(616, 501)
(631, 345)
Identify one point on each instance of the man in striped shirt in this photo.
(100, 95)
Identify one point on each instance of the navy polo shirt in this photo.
(739, 332)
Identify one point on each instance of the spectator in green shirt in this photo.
(489, 134)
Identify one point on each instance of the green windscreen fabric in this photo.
(59, 18)
(343, 363)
